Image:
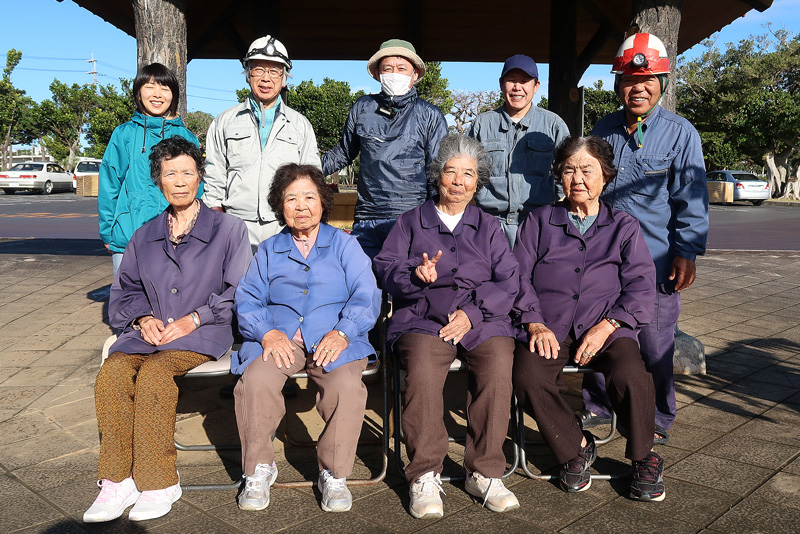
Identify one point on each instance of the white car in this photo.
(37, 176)
(85, 168)
(746, 185)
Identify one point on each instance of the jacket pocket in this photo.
(653, 177)
(539, 156)
(240, 147)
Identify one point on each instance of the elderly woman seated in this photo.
(173, 298)
(448, 267)
(587, 285)
(307, 302)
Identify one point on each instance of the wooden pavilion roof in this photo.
(461, 30)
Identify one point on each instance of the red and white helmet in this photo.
(641, 54)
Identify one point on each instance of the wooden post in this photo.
(562, 86)
(161, 37)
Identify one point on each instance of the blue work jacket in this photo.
(396, 152)
(662, 184)
(332, 289)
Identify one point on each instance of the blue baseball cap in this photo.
(522, 62)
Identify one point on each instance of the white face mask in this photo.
(394, 84)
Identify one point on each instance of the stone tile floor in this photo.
(732, 463)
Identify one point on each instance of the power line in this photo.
(116, 67)
(211, 98)
(209, 88)
(54, 58)
(51, 70)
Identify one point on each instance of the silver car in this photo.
(746, 185)
(37, 176)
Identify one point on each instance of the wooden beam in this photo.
(760, 5)
(599, 15)
(595, 44)
(416, 18)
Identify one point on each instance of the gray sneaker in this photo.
(335, 495)
(496, 497)
(255, 495)
(425, 500)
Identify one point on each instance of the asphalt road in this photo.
(65, 216)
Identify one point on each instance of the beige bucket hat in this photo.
(395, 47)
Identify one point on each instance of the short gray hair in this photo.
(454, 145)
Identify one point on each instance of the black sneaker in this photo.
(575, 474)
(648, 479)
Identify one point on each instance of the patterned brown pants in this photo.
(135, 396)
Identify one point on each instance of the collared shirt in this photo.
(176, 239)
(168, 283)
(662, 184)
(570, 281)
(582, 224)
(477, 274)
(264, 117)
(522, 156)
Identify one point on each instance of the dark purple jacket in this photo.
(200, 275)
(477, 273)
(569, 280)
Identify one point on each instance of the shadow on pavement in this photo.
(63, 247)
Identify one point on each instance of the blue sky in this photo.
(56, 39)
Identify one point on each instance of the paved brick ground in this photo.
(732, 461)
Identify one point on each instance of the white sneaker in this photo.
(255, 495)
(425, 500)
(335, 495)
(155, 503)
(496, 497)
(114, 498)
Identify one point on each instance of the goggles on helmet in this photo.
(268, 50)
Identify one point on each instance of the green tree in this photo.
(242, 94)
(326, 106)
(113, 108)
(16, 111)
(198, 122)
(597, 103)
(745, 102)
(64, 118)
(433, 88)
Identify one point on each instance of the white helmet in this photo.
(267, 48)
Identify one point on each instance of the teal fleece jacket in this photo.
(127, 197)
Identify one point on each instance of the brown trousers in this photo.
(341, 402)
(427, 360)
(135, 396)
(539, 386)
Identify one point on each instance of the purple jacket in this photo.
(201, 274)
(569, 280)
(477, 273)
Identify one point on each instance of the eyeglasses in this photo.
(273, 72)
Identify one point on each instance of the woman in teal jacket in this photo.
(127, 197)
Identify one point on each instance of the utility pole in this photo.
(93, 61)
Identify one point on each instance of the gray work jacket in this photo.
(239, 172)
(521, 155)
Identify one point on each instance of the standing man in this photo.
(248, 142)
(520, 139)
(398, 135)
(660, 181)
